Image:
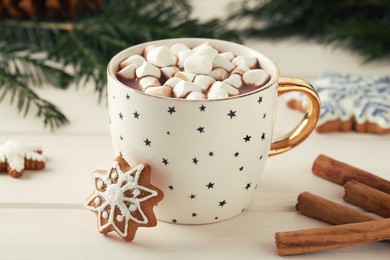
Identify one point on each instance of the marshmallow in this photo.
(162, 91)
(234, 80)
(148, 49)
(198, 64)
(147, 69)
(227, 55)
(147, 82)
(161, 56)
(249, 61)
(218, 74)
(196, 95)
(205, 44)
(240, 70)
(255, 78)
(178, 47)
(232, 91)
(169, 72)
(183, 88)
(172, 82)
(187, 76)
(133, 59)
(128, 72)
(183, 56)
(217, 93)
(206, 50)
(222, 62)
(204, 81)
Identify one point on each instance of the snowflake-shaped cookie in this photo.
(123, 199)
(351, 103)
(15, 157)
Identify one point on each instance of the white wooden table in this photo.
(41, 214)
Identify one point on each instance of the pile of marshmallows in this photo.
(198, 73)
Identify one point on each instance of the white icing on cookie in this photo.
(115, 198)
(100, 184)
(15, 153)
(365, 98)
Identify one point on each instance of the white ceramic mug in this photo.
(206, 155)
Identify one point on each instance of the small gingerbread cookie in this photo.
(360, 104)
(15, 157)
(124, 198)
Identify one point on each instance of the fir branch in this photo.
(367, 39)
(88, 43)
(360, 25)
(51, 115)
(33, 66)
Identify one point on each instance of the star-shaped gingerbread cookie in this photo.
(350, 103)
(124, 198)
(15, 157)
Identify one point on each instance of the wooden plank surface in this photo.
(41, 214)
(72, 234)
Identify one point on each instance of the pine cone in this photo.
(41, 9)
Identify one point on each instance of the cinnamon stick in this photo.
(339, 172)
(368, 198)
(320, 208)
(332, 237)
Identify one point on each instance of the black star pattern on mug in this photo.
(170, 187)
(236, 154)
(247, 138)
(127, 96)
(136, 115)
(260, 100)
(241, 168)
(222, 203)
(194, 215)
(121, 116)
(248, 185)
(168, 133)
(121, 137)
(211, 154)
(195, 161)
(232, 114)
(262, 136)
(216, 218)
(202, 108)
(200, 129)
(261, 157)
(171, 110)
(210, 185)
(174, 221)
(192, 196)
(165, 161)
(264, 115)
(147, 142)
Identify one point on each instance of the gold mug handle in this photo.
(307, 124)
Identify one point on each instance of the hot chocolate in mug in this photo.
(206, 155)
